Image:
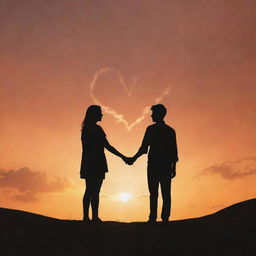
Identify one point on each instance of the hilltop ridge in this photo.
(230, 231)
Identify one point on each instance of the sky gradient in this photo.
(196, 57)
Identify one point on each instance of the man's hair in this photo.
(160, 110)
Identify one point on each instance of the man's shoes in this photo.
(96, 220)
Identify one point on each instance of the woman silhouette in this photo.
(94, 164)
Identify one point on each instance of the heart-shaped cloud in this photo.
(129, 90)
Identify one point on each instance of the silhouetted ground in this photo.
(231, 231)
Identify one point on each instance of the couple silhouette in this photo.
(159, 142)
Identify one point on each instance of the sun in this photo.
(125, 197)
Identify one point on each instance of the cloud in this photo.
(27, 184)
(27, 197)
(232, 169)
(129, 90)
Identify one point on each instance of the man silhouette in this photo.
(162, 158)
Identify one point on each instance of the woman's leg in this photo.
(87, 198)
(95, 198)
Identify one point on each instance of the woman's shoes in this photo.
(151, 221)
(93, 220)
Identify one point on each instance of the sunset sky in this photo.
(57, 57)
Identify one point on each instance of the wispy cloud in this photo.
(129, 90)
(232, 169)
(27, 185)
(26, 197)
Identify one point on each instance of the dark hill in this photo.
(230, 231)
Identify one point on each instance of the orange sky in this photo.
(52, 52)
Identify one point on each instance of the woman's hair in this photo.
(91, 115)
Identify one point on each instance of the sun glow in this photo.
(125, 197)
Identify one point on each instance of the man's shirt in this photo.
(161, 141)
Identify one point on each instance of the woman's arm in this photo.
(113, 150)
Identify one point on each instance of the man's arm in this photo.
(175, 148)
(175, 159)
(143, 148)
(173, 169)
